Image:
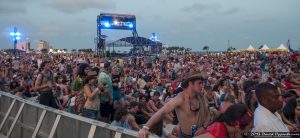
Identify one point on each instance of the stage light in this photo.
(16, 37)
(130, 25)
(107, 25)
(116, 22)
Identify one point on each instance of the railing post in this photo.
(37, 128)
(54, 126)
(15, 120)
(7, 113)
(92, 131)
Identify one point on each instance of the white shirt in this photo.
(266, 121)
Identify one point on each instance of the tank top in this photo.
(92, 103)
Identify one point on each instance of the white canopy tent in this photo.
(282, 48)
(265, 47)
(250, 48)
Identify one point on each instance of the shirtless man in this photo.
(190, 106)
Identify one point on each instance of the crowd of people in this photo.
(213, 95)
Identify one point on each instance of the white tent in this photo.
(265, 47)
(250, 48)
(282, 47)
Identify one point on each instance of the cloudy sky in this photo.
(189, 23)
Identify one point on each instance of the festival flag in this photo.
(289, 46)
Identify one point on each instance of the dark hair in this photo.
(185, 84)
(248, 87)
(233, 113)
(289, 110)
(236, 90)
(81, 68)
(120, 112)
(290, 93)
(221, 83)
(156, 94)
(133, 104)
(142, 96)
(43, 64)
(167, 93)
(263, 91)
(207, 88)
(96, 69)
(215, 88)
(12, 86)
(88, 78)
(62, 61)
(64, 79)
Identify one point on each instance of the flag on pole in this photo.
(289, 46)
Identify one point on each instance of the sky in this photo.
(188, 23)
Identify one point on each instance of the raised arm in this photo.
(90, 94)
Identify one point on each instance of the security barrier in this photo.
(21, 118)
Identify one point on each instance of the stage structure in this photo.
(113, 21)
(138, 44)
(122, 22)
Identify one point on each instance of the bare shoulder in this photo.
(130, 118)
(177, 101)
(39, 76)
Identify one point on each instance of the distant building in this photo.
(43, 45)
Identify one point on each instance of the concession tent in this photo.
(282, 48)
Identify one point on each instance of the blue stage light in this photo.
(18, 38)
(130, 25)
(107, 25)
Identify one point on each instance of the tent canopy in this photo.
(265, 47)
(282, 47)
(250, 48)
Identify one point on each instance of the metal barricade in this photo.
(20, 118)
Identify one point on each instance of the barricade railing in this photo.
(21, 118)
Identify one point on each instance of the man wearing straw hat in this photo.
(189, 105)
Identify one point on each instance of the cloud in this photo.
(198, 7)
(12, 6)
(74, 6)
(232, 11)
(214, 8)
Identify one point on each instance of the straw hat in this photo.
(194, 76)
(92, 73)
